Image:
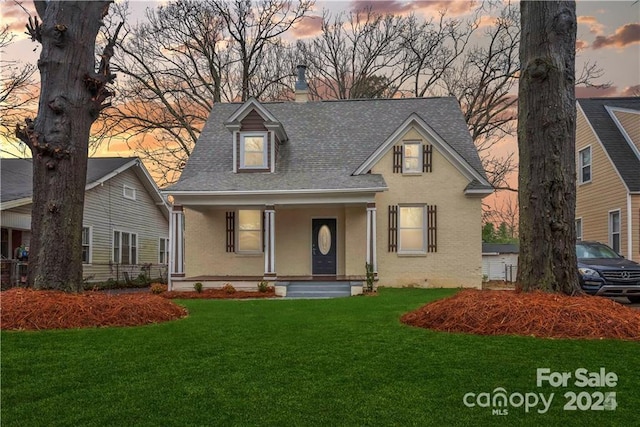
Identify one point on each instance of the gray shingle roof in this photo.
(328, 140)
(618, 149)
(17, 174)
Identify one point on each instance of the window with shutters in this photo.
(412, 157)
(244, 231)
(412, 229)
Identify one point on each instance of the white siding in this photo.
(106, 210)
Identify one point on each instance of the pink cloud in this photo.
(397, 7)
(581, 44)
(308, 26)
(624, 36)
(594, 26)
(594, 92)
(631, 91)
(15, 16)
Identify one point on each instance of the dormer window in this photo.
(253, 151)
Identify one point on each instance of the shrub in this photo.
(370, 277)
(228, 288)
(158, 288)
(140, 281)
(198, 287)
(263, 286)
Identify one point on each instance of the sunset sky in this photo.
(608, 33)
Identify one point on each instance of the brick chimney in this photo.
(302, 90)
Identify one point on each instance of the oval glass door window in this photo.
(324, 239)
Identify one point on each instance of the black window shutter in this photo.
(393, 228)
(426, 158)
(432, 242)
(231, 231)
(397, 159)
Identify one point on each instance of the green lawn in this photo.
(300, 363)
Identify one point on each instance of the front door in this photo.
(323, 249)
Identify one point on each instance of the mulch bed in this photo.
(539, 314)
(218, 294)
(27, 309)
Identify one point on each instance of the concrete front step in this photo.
(318, 290)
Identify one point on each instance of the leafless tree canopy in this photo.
(188, 55)
(356, 55)
(18, 92)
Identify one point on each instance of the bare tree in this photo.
(172, 69)
(255, 28)
(18, 92)
(187, 56)
(73, 92)
(352, 50)
(546, 142)
(433, 48)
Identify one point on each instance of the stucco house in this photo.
(300, 192)
(608, 173)
(125, 222)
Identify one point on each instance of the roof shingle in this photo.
(328, 140)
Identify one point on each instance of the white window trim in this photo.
(581, 166)
(424, 230)
(265, 157)
(418, 171)
(619, 232)
(90, 251)
(578, 236)
(166, 250)
(238, 232)
(132, 190)
(137, 246)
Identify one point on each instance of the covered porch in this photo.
(301, 243)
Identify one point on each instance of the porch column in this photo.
(176, 243)
(269, 242)
(372, 256)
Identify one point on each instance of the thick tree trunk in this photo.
(70, 101)
(546, 142)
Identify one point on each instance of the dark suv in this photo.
(604, 272)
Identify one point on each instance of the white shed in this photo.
(500, 261)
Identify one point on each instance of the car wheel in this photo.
(634, 300)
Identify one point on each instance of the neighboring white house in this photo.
(125, 222)
(500, 261)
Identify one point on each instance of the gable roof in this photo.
(16, 186)
(598, 113)
(328, 141)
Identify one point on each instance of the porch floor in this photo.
(318, 278)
